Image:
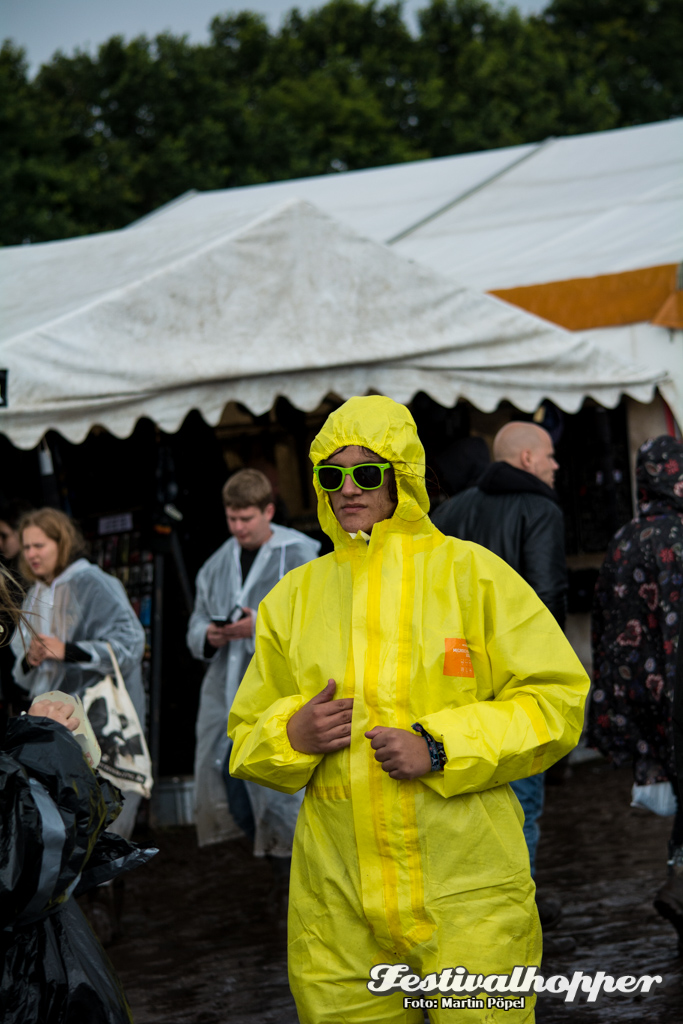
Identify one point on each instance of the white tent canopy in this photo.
(158, 321)
(573, 207)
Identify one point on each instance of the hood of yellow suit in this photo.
(387, 428)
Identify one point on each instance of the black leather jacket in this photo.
(515, 515)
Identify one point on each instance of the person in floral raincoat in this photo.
(636, 625)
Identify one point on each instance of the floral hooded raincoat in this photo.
(636, 622)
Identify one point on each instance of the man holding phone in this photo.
(230, 586)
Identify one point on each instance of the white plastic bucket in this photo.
(173, 800)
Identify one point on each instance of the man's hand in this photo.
(57, 710)
(215, 635)
(243, 628)
(219, 636)
(44, 647)
(323, 724)
(402, 754)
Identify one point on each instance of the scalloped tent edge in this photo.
(281, 301)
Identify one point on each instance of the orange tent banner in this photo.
(609, 300)
(671, 313)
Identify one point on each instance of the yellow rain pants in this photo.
(416, 627)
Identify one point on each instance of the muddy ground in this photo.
(205, 944)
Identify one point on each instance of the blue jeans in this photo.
(530, 793)
(238, 800)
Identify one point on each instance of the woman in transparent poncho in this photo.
(53, 847)
(76, 610)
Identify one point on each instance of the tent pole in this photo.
(155, 681)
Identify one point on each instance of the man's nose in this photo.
(350, 486)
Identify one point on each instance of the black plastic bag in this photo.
(54, 810)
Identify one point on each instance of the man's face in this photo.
(541, 461)
(250, 526)
(355, 508)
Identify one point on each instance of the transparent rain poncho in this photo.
(219, 588)
(86, 606)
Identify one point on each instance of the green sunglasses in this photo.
(368, 476)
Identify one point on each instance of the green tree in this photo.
(635, 48)
(34, 182)
(95, 142)
(144, 121)
(490, 77)
(319, 98)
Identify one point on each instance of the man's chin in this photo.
(352, 524)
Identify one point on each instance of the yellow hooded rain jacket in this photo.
(416, 627)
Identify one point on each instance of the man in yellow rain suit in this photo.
(395, 862)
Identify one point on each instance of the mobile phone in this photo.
(236, 614)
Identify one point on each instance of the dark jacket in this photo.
(678, 715)
(515, 515)
(637, 621)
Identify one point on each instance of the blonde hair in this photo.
(62, 530)
(248, 487)
(10, 610)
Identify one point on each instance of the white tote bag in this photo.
(125, 756)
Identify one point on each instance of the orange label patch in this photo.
(457, 661)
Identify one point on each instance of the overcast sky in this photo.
(43, 26)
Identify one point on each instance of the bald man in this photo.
(513, 511)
